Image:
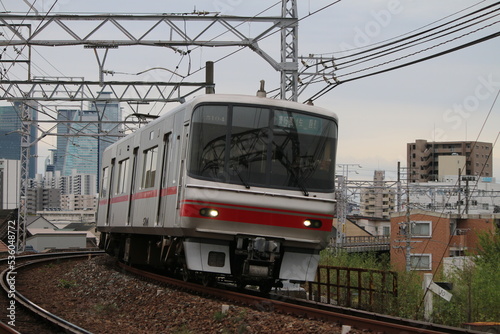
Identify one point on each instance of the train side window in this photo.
(122, 181)
(104, 184)
(149, 168)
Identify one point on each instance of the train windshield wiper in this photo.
(237, 171)
(300, 183)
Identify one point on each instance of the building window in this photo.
(421, 261)
(421, 228)
(149, 168)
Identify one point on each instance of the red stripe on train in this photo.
(142, 195)
(120, 199)
(256, 217)
(259, 208)
(169, 191)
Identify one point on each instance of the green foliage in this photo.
(476, 290)
(63, 283)
(476, 286)
(355, 260)
(362, 281)
(107, 308)
(410, 295)
(488, 253)
(219, 316)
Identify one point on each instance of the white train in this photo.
(229, 186)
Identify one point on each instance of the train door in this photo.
(109, 192)
(102, 213)
(182, 170)
(130, 214)
(164, 178)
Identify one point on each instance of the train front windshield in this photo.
(263, 147)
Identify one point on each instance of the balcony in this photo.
(459, 239)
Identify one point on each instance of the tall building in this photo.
(108, 111)
(423, 158)
(77, 150)
(81, 150)
(10, 172)
(378, 200)
(49, 161)
(63, 129)
(41, 199)
(10, 134)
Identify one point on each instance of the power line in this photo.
(400, 36)
(419, 41)
(439, 54)
(430, 30)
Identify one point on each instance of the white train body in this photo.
(226, 185)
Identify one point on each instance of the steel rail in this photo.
(60, 323)
(361, 320)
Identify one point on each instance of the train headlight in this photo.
(312, 223)
(207, 212)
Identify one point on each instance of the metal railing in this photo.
(367, 289)
(363, 244)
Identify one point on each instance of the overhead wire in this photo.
(441, 258)
(419, 41)
(439, 54)
(467, 21)
(401, 35)
(430, 30)
(40, 110)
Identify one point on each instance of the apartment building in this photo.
(377, 200)
(434, 237)
(423, 159)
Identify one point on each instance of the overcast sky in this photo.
(446, 98)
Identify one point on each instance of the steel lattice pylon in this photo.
(25, 147)
(289, 52)
(68, 34)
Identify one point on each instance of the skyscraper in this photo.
(81, 150)
(63, 129)
(10, 134)
(107, 111)
(78, 147)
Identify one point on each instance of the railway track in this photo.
(366, 321)
(15, 299)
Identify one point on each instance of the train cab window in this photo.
(264, 147)
(209, 132)
(149, 167)
(122, 182)
(104, 184)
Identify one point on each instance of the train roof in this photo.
(251, 99)
(235, 98)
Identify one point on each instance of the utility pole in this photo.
(459, 190)
(408, 233)
(398, 189)
(341, 196)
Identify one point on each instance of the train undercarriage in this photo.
(245, 260)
